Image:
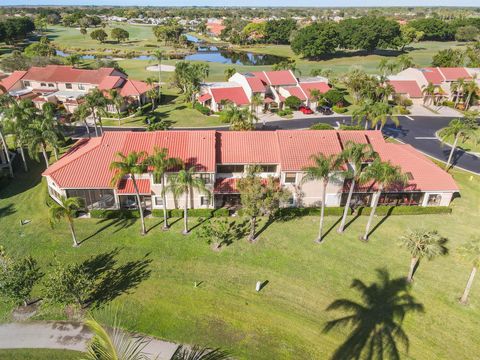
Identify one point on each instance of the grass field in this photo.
(39, 354)
(469, 144)
(285, 319)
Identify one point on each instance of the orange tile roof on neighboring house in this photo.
(12, 79)
(134, 88)
(409, 87)
(65, 74)
(256, 84)
(87, 164)
(280, 77)
(295, 91)
(454, 73)
(433, 75)
(125, 186)
(215, 28)
(204, 97)
(111, 82)
(322, 87)
(234, 94)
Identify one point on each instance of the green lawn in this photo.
(285, 319)
(39, 354)
(470, 144)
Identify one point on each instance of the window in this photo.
(204, 201)
(434, 199)
(43, 84)
(68, 85)
(158, 201)
(94, 198)
(207, 179)
(26, 83)
(290, 178)
(268, 168)
(223, 169)
(81, 87)
(291, 201)
(51, 85)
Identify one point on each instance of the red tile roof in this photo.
(86, 165)
(12, 79)
(454, 73)
(409, 87)
(280, 77)
(295, 91)
(134, 88)
(256, 84)
(125, 186)
(62, 73)
(234, 94)
(432, 75)
(204, 97)
(110, 82)
(320, 86)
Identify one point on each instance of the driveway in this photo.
(65, 335)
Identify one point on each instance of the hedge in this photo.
(381, 210)
(321, 126)
(192, 212)
(114, 214)
(339, 110)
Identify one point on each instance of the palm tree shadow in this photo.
(332, 227)
(352, 220)
(119, 223)
(387, 215)
(376, 320)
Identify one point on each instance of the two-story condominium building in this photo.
(68, 85)
(221, 158)
(273, 87)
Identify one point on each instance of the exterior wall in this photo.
(445, 198)
(242, 81)
(52, 186)
(414, 74)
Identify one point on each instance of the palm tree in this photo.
(471, 89)
(405, 61)
(239, 119)
(323, 170)
(376, 320)
(184, 183)
(256, 101)
(364, 112)
(356, 154)
(423, 244)
(229, 72)
(384, 175)
(5, 100)
(73, 60)
(117, 100)
(95, 101)
(380, 114)
(457, 89)
(429, 92)
(81, 113)
(199, 353)
(458, 128)
(157, 56)
(130, 165)
(470, 251)
(66, 209)
(115, 344)
(152, 91)
(161, 163)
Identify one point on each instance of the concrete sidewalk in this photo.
(65, 335)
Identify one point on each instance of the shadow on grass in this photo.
(7, 210)
(387, 215)
(332, 227)
(119, 223)
(22, 181)
(169, 220)
(112, 279)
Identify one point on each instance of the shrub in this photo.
(192, 212)
(351, 127)
(203, 109)
(293, 102)
(114, 214)
(402, 110)
(285, 113)
(321, 126)
(334, 97)
(381, 211)
(339, 110)
(449, 103)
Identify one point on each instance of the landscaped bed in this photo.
(285, 319)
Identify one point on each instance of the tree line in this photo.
(13, 30)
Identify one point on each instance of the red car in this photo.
(305, 110)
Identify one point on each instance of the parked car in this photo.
(325, 110)
(305, 110)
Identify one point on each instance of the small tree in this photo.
(17, 278)
(423, 244)
(471, 252)
(117, 100)
(218, 232)
(119, 34)
(67, 284)
(293, 102)
(229, 72)
(458, 128)
(83, 31)
(99, 35)
(67, 209)
(73, 60)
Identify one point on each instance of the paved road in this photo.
(418, 131)
(64, 335)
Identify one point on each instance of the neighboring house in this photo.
(272, 86)
(409, 89)
(221, 158)
(67, 85)
(215, 27)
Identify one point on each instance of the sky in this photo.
(308, 3)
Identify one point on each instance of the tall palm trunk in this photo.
(44, 152)
(72, 230)
(159, 81)
(95, 122)
(452, 151)
(347, 207)
(7, 154)
(55, 152)
(185, 214)
(322, 213)
(24, 159)
(139, 203)
(372, 214)
(253, 225)
(467, 102)
(464, 298)
(413, 264)
(164, 199)
(87, 127)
